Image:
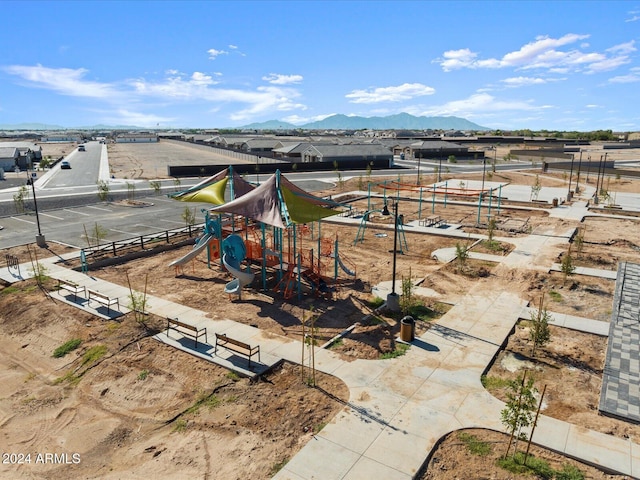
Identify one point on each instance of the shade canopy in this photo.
(213, 188)
(280, 203)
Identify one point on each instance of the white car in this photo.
(65, 165)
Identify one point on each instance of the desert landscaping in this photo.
(133, 407)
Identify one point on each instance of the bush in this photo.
(66, 347)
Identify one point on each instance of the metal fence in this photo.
(141, 242)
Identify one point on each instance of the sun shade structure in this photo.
(280, 203)
(212, 189)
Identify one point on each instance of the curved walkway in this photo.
(398, 409)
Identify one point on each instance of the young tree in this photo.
(518, 412)
(491, 228)
(103, 190)
(131, 191)
(462, 255)
(18, 198)
(156, 185)
(189, 216)
(407, 302)
(535, 189)
(539, 334)
(566, 266)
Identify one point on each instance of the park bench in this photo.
(236, 346)
(72, 287)
(186, 329)
(103, 299)
(432, 221)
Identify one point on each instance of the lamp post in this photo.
(40, 240)
(393, 300)
(484, 167)
(419, 158)
(570, 178)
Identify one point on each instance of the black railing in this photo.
(142, 242)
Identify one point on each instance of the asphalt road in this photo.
(68, 203)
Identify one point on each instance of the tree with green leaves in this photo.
(156, 185)
(19, 198)
(407, 301)
(567, 266)
(462, 255)
(189, 216)
(518, 411)
(103, 190)
(539, 334)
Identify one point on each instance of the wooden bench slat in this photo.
(236, 346)
(191, 331)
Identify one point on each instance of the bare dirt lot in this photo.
(135, 408)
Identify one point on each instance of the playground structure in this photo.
(266, 227)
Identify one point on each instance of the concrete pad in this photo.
(369, 468)
(83, 304)
(319, 459)
(439, 397)
(400, 451)
(572, 322)
(352, 430)
(377, 403)
(223, 358)
(591, 272)
(604, 450)
(360, 373)
(481, 409)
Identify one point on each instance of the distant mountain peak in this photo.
(399, 121)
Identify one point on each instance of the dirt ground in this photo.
(137, 409)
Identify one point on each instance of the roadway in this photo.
(68, 203)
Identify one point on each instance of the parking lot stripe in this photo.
(98, 208)
(79, 213)
(52, 216)
(23, 220)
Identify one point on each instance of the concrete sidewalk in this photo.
(399, 408)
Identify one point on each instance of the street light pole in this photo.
(570, 178)
(419, 158)
(484, 166)
(40, 240)
(393, 300)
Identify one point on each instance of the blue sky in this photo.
(557, 65)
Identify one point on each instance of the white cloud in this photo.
(545, 53)
(629, 78)
(66, 81)
(277, 79)
(591, 105)
(523, 81)
(398, 93)
(213, 53)
(233, 47)
(634, 16)
(198, 78)
(454, 59)
(298, 120)
(623, 48)
(126, 117)
(477, 104)
(174, 88)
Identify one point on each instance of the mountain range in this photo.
(401, 121)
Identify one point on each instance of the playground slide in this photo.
(242, 278)
(197, 248)
(344, 268)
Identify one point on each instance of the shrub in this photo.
(67, 347)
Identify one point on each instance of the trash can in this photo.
(407, 329)
(555, 202)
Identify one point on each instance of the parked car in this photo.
(81, 148)
(65, 164)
